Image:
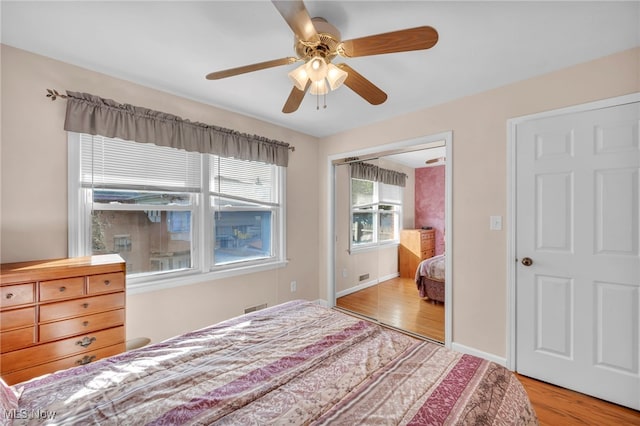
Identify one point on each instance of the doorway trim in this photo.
(511, 361)
(447, 137)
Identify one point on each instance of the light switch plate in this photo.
(495, 223)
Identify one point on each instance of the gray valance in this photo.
(377, 174)
(364, 171)
(97, 116)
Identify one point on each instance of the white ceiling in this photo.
(172, 45)
(418, 158)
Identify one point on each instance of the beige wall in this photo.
(479, 125)
(33, 204)
(34, 193)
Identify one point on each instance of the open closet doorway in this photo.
(391, 226)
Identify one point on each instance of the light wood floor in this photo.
(558, 406)
(396, 302)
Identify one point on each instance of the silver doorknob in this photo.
(527, 261)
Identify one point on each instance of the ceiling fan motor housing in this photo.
(329, 39)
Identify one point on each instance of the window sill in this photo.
(144, 285)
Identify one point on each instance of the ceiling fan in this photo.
(317, 43)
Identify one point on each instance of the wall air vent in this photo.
(255, 308)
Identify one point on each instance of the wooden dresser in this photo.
(56, 314)
(415, 246)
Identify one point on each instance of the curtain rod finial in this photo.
(53, 94)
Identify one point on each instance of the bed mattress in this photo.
(295, 363)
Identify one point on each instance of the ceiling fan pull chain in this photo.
(325, 100)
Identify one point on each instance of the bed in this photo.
(295, 363)
(430, 278)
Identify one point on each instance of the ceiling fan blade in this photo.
(295, 99)
(363, 87)
(249, 68)
(418, 38)
(296, 15)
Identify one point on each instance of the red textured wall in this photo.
(430, 191)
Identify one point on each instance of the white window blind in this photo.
(115, 163)
(241, 179)
(390, 193)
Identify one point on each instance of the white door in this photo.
(577, 213)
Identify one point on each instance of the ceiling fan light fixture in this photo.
(299, 77)
(335, 76)
(316, 68)
(319, 88)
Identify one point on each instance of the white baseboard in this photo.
(321, 302)
(356, 288)
(480, 354)
(389, 277)
(367, 284)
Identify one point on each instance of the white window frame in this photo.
(355, 248)
(79, 231)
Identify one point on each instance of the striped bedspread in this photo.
(295, 363)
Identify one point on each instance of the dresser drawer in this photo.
(105, 283)
(84, 324)
(85, 306)
(426, 254)
(61, 289)
(17, 339)
(16, 318)
(427, 236)
(14, 295)
(61, 364)
(47, 352)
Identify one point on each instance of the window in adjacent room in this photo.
(376, 212)
(160, 208)
(121, 243)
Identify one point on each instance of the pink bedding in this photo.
(295, 363)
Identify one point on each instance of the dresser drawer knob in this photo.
(62, 289)
(85, 305)
(9, 295)
(85, 359)
(107, 282)
(86, 341)
(85, 323)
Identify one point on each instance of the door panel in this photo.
(577, 208)
(553, 316)
(616, 217)
(554, 212)
(616, 340)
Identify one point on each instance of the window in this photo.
(376, 210)
(160, 208)
(121, 243)
(244, 207)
